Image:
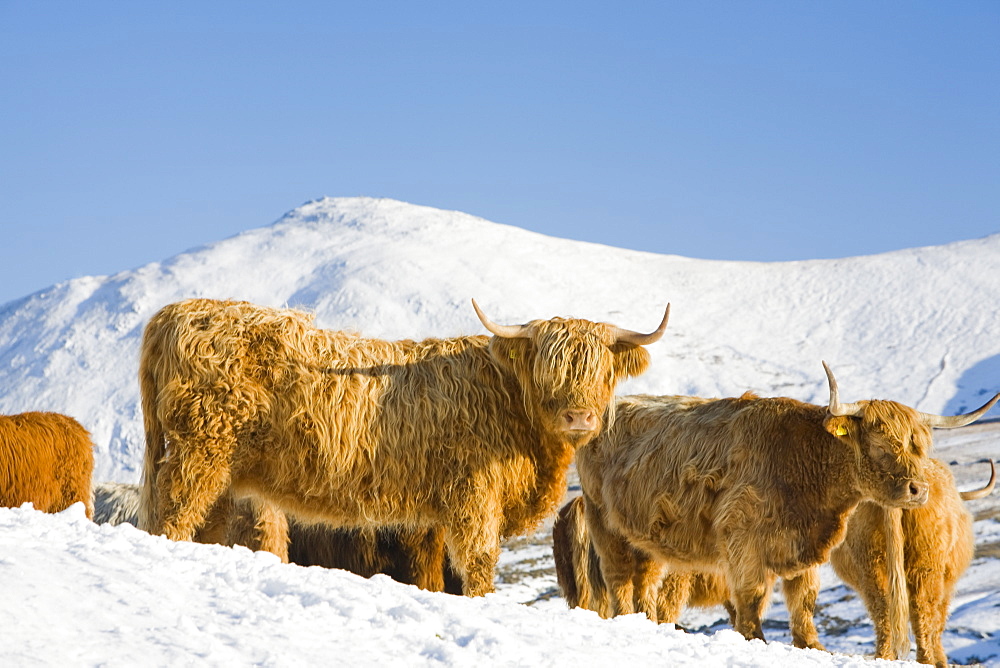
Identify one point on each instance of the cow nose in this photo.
(918, 492)
(580, 420)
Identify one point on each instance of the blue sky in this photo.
(732, 130)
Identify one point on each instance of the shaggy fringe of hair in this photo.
(897, 607)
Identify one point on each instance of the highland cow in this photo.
(47, 459)
(938, 545)
(749, 489)
(471, 434)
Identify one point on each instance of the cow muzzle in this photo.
(579, 421)
(913, 494)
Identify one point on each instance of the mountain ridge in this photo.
(912, 325)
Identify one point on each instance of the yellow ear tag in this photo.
(513, 354)
(841, 431)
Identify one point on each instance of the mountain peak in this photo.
(911, 326)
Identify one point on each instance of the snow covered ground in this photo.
(918, 326)
(79, 594)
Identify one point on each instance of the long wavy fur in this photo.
(338, 428)
(47, 459)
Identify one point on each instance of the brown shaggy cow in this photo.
(116, 503)
(409, 555)
(750, 488)
(578, 570)
(414, 556)
(472, 434)
(47, 459)
(938, 547)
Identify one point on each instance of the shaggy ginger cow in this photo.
(751, 489)
(938, 546)
(578, 570)
(472, 434)
(47, 459)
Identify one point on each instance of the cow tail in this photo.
(563, 548)
(898, 603)
(155, 445)
(578, 568)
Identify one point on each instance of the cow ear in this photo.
(630, 360)
(508, 353)
(840, 426)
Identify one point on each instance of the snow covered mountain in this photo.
(918, 326)
(914, 325)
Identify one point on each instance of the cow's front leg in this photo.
(647, 576)
(929, 598)
(750, 589)
(271, 528)
(423, 549)
(475, 551)
(801, 592)
(673, 595)
(618, 565)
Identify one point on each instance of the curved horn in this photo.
(973, 494)
(950, 422)
(637, 339)
(836, 408)
(503, 331)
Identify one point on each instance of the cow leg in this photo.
(617, 564)
(423, 550)
(258, 525)
(801, 592)
(874, 592)
(928, 615)
(475, 552)
(673, 596)
(196, 474)
(218, 525)
(271, 528)
(750, 590)
(647, 575)
(862, 567)
(878, 610)
(731, 611)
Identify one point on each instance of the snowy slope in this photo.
(915, 325)
(77, 594)
(90, 595)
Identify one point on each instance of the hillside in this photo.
(915, 325)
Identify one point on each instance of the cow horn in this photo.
(503, 331)
(952, 421)
(836, 408)
(637, 339)
(973, 494)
